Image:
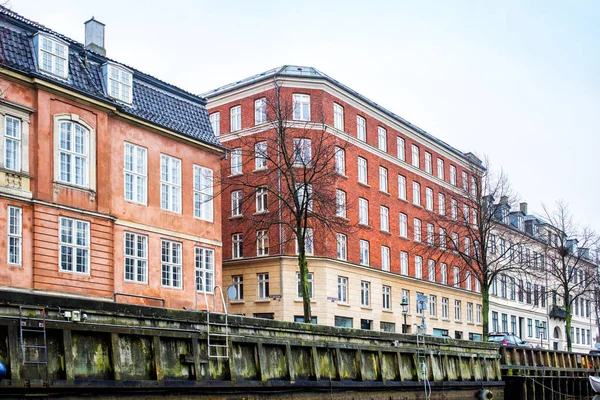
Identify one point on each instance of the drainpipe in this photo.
(280, 227)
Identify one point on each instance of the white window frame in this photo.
(400, 148)
(428, 163)
(74, 246)
(170, 183)
(137, 255)
(361, 128)
(457, 310)
(301, 104)
(384, 218)
(235, 118)
(365, 294)
(135, 169)
(236, 203)
(478, 313)
(172, 264)
(237, 245)
(342, 246)
(441, 204)
(310, 285)
(453, 175)
(237, 281)
(454, 209)
(262, 242)
(236, 161)
(416, 193)
(430, 235)
(260, 111)
(465, 181)
(415, 156)
(385, 258)
(119, 83)
(57, 55)
(429, 199)
(262, 283)
(431, 270)
(383, 179)
(338, 116)
(404, 263)
(262, 197)
(402, 187)
(203, 193)
(445, 308)
(309, 242)
(363, 211)
(418, 267)
(204, 263)
(417, 229)
(403, 222)
(260, 155)
(440, 168)
(215, 122)
(342, 289)
(470, 312)
(302, 151)
(442, 239)
(340, 203)
(364, 252)
(15, 138)
(386, 292)
(14, 231)
(382, 138)
(362, 170)
(444, 273)
(69, 175)
(456, 276)
(432, 305)
(340, 161)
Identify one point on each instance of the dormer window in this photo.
(53, 55)
(118, 83)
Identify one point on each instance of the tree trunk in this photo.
(304, 284)
(568, 328)
(485, 310)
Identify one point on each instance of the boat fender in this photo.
(485, 394)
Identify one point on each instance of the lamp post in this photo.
(404, 305)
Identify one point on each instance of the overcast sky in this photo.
(518, 81)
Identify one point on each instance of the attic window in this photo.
(53, 56)
(118, 83)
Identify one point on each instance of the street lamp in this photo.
(404, 305)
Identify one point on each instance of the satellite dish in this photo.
(597, 345)
(231, 292)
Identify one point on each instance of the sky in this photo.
(515, 81)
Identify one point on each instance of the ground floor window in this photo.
(475, 337)
(264, 315)
(440, 332)
(366, 324)
(300, 318)
(343, 322)
(387, 326)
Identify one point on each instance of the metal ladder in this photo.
(34, 328)
(217, 336)
(422, 363)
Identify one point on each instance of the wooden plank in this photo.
(158, 364)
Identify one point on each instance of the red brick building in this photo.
(392, 176)
(105, 174)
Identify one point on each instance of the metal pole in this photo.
(404, 326)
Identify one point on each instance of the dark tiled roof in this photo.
(311, 72)
(155, 101)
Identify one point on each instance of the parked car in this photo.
(595, 352)
(507, 339)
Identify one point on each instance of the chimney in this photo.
(523, 207)
(94, 36)
(504, 200)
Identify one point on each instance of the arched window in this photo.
(74, 144)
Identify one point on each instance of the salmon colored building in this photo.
(106, 175)
(393, 177)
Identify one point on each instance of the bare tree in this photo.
(296, 163)
(570, 264)
(469, 230)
